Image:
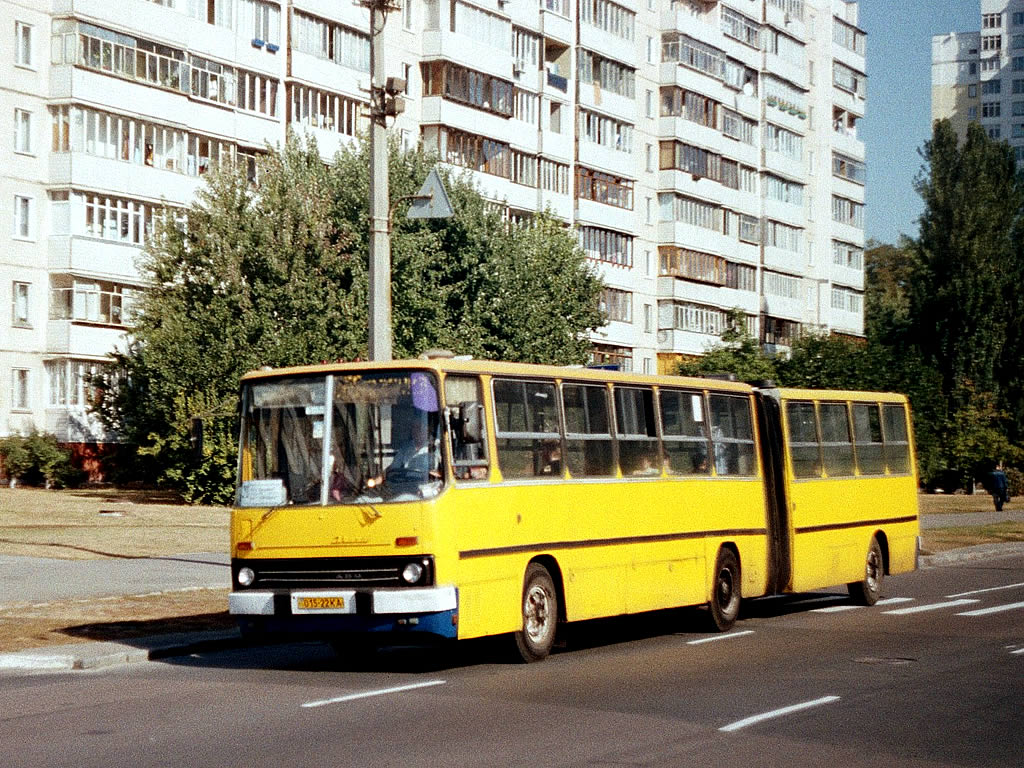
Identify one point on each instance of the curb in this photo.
(83, 656)
(969, 554)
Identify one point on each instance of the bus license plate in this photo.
(321, 603)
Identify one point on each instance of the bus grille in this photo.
(324, 573)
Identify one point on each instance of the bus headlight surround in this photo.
(412, 573)
(246, 576)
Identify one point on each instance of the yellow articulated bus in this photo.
(458, 498)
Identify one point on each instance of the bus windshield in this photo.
(379, 441)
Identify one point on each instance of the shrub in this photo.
(38, 459)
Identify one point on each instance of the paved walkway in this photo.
(41, 579)
(969, 519)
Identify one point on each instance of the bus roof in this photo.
(793, 393)
(496, 368)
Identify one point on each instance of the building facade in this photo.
(978, 76)
(688, 144)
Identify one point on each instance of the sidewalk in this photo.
(42, 579)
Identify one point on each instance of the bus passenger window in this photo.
(588, 438)
(867, 433)
(684, 432)
(804, 451)
(897, 446)
(637, 432)
(528, 436)
(464, 399)
(836, 448)
(732, 435)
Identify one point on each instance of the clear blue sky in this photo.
(898, 117)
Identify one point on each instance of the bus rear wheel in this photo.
(540, 614)
(725, 591)
(868, 591)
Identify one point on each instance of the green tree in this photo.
(277, 274)
(965, 279)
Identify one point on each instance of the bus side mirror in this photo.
(471, 423)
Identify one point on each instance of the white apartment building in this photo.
(688, 143)
(979, 76)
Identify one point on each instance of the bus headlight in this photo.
(412, 573)
(246, 576)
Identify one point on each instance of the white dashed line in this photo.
(982, 591)
(720, 637)
(777, 713)
(929, 607)
(993, 609)
(368, 694)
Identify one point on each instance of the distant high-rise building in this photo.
(979, 76)
(686, 142)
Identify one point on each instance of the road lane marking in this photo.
(1018, 652)
(726, 636)
(836, 608)
(891, 600)
(368, 694)
(993, 609)
(929, 607)
(990, 589)
(778, 713)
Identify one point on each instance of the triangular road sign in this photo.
(432, 201)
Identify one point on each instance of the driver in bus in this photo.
(415, 455)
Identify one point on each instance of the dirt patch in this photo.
(101, 522)
(63, 622)
(942, 539)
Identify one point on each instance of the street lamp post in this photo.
(384, 103)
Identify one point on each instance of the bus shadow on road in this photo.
(298, 654)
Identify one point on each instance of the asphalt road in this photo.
(933, 676)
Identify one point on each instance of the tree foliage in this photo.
(277, 274)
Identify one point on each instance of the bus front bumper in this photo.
(431, 610)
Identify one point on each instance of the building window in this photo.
(23, 44)
(606, 245)
(991, 42)
(990, 65)
(783, 286)
(1018, 63)
(22, 131)
(20, 305)
(23, 229)
(330, 41)
(606, 131)
(1017, 42)
(990, 108)
(994, 132)
(847, 212)
(604, 188)
(692, 265)
(609, 354)
(991, 87)
(1017, 131)
(19, 389)
(610, 17)
(617, 305)
(849, 168)
(972, 113)
(992, 20)
(972, 91)
(847, 255)
(467, 86)
(607, 74)
(1018, 18)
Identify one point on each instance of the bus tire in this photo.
(724, 604)
(540, 614)
(868, 591)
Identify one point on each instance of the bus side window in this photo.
(684, 432)
(867, 432)
(732, 435)
(637, 431)
(836, 447)
(528, 435)
(588, 437)
(463, 394)
(897, 446)
(804, 451)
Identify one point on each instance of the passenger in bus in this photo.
(551, 458)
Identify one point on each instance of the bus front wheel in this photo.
(725, 591)
(868, 591)
(540, 614)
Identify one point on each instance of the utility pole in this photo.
(384, 103)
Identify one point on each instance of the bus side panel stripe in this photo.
(586, 543)
(856, 524)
